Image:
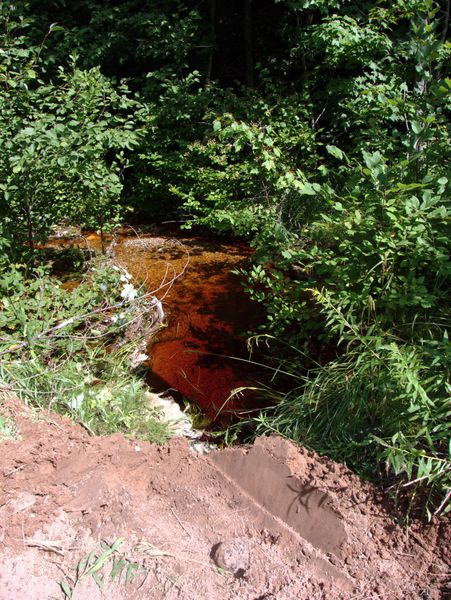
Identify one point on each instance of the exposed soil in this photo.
(271, 521)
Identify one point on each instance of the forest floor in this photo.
(270, 521)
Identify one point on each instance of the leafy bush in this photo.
(62, 143)
(382, 401)
(352, 247)
(376, 265)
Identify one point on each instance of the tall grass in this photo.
(95, 389)
(383, 407)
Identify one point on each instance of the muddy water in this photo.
(206, 313)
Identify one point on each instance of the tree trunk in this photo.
(248, 44)
(212, 41)
(304, 60)
(446, 22)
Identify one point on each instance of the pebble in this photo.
(233, 556)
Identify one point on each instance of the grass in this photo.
(8, 429)
(56, 350)
(110, 564)
(93, 564)
(95, 389)
(8, 426)
(382, 409)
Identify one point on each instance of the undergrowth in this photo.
(382, 407)
(56, 350)
(8, 429)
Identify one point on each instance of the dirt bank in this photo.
(271, 521)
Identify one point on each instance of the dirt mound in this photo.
(271, 521)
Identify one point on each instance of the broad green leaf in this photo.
(335, 151)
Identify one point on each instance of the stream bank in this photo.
(270, 522)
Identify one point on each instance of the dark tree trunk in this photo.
(30, 228)
(304, 60)
(248, 44)
(446, 21)
(212, 40)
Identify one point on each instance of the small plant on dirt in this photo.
(110, 564)
(95, 563)
(8, 429)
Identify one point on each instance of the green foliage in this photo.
(343, 41)
(381, 251)
(8, 429)
(54, 350)
(62, 143)
(240, 177)
(177, 105)
(381, 401)
(132, 36)
(354, 245)
(95, 563)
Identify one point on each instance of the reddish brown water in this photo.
(206, 311)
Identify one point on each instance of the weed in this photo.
(56, 350)
(8, 429)
(383, 405)
(93, 564)
(110, 564)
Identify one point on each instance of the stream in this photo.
(196, 355)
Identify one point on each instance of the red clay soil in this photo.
(271, 521)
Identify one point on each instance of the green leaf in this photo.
(335, 151)
(307, 189)
(118, 565)
(67, 589)
(99, 581)
(131, 572)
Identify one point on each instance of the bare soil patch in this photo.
(271, 521)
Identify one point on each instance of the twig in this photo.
(180, 523)
(46, 545)
(19, 468)
(447, 497)
(164, 285)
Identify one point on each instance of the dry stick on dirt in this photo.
(47, 545)
(155, 552)
(180, 523)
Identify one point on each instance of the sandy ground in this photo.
(271, 521)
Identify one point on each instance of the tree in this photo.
(61, 143)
